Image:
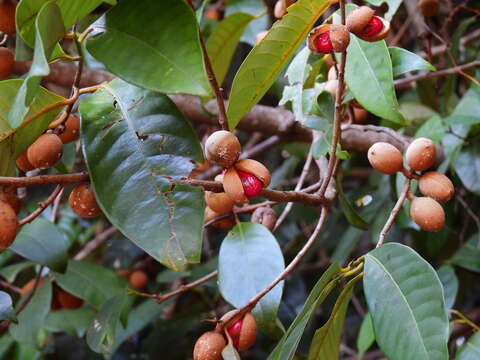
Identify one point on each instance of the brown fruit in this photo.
(67, 300)
(219, 202)
(209, 346)
(381, 35)
(71, 131)
(358, 19)
(255, 168)
(232, 184)
(6, 62)
(28, 287)
(427, 213)
(360, 115)
(421, 154)
(23, 163)
(8, 225)
(328, 37)
(385, 158)
(436, 186)
(7, 16)
(138, 279)
(265, 216)
(260, 36)
(225, 223)
(212, 14)
(222, 148)
(83, 203)
(340, 37)
(11, 198)
(243, 331)
(45, 152)
(429, 7)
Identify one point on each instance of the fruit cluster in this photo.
(420, 156)
(241, 330)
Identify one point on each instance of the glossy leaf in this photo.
(348, 210)
(449, 282)
(10, 272)
(72, 322)
(404, 61)
(163, 44)
(393, 6)
(366, 335)
(286, 348)
(49, 29)
(6, 308)
(138, 146)
(265, 62)
(405, 299)
(223, 41)
(252, 7)
(468, 256)
(249, 260)
(467, 166)
(43, 243)
(471, 349)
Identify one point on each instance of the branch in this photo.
(41, 206)
(64, 179)
(96, 242)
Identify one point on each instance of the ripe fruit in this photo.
(385, 158)
(10, 197)
(226, 223)
(358, 19)
(243, 331)
(23, 163)
(7, 16)
(245, 179)
(429, 7)
(67, 300)
(45, 152)
(436, 185)
(138, 279)
(219, 202)
(252, 187)
(265, 216)
(222, 148)
(8, 225)
(427, 213)
(421, 154)
(83, 203)
(362, 22)
(209, 346)
(71, 131)
(6, 62)
(327, 38)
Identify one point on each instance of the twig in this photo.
(242, 210)
(95, 243)
(56, 207)
(42, 206)
(464, 319)
(8, 286)
(64, 179)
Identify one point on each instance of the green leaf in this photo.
(223, 41)
(163, 44)
(138, 147)
(433, 128)
(230, 353)
(49, 30)
(366, 335)
(32, 318)
(449, 281)
(252, 7)
(102, 330)
(393, 6)
(326, 341)
(265, 62)
(286, 348)
(6, 343)
(471, 349)
(249, 260)
(72, 322)
(405, 299)
(43, 243)
(10, 272)
(352, 216)
(468, 256)
(298, 70)
(93, 283)
(404, 61)
(467, 166)
(346, 244)
(6, 309)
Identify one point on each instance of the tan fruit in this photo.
(72, 130)
(427, 213)
(337, 34)
(225, 223)
(209, 346)
(421, 154)
(429, 7)
(212, 14)
(83, 203)
(358, 19)
(436, 186)
(219, 202)
(138, 279)
(232, 184)
(222, 148)
(331, 87)
(67, 300)
(8, 225)
(10, 197)
(6, 62)
(255, 168)
(385, 158)
(7, 16)
(260, 36)
(360, 115)
(45, 152)
(381, 35)
(243, 331)
(265, 216)
(340, 37)
(280, 9)
(23, 163)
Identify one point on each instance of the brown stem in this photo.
(97, 241)
(42, 206)
(63, 179)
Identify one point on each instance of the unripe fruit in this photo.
(385, 158)
(8, 225)
(209, 346)
(67, 300)
(260, 36)
(429, 7)
(6, 62)
(222, 148)
(265, 216)
(436, 185)
(23, 163)
(427, 213)
(327, 38)
(45, 152)
(72, 130)
(219, 202)
(11, 198)
(138, 279)
(7, 16)
(83, 203)
(243, 332)
(226, 223)
(421, 154)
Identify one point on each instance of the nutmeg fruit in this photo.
(7, 16)
(219, 202)
(243, 331)
(10, 197)
(266, 216)
(359, 18)
(6, 62)
(138, 279)
(46, 151)
(225, 223)
(83, 203)
(67, 300)
(72, 129)
(23, 164)
(427, 213)
(326, 38)
(429, 7)
(436, 186)
(245, 179)
(222, 148)
(209, 346)
(385, 158)
(8, 225)
(421, 154)
(363, 23)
